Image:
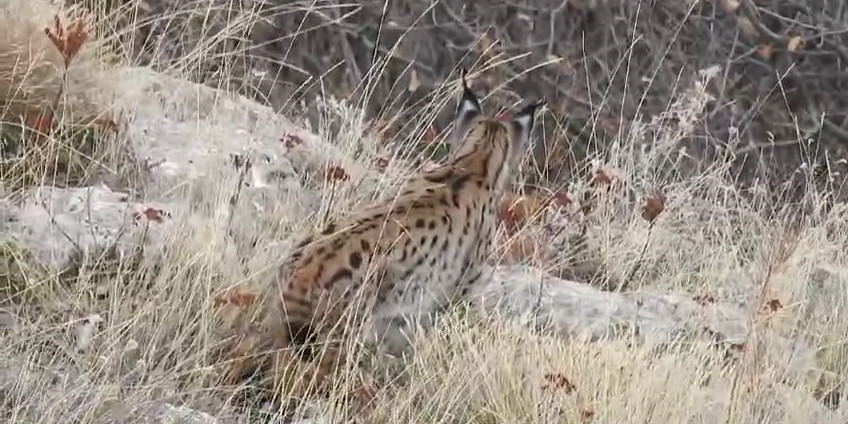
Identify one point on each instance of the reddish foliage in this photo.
(653, 206)
(430, 134)
(601, 177)
(40, 123)
(237, 297)
(518, 248)
(514, 210)
(106, 124)
(558, 381)
(587, 414)
(68, 40)
(291, 140)
(738, 347)
(504, 116)
(336, 173)
(562, 199)
(704, 299)
(152, 214)
(773, 305)
(381, 164)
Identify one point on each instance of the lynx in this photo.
(410, 255)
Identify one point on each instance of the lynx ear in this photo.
(521, 126)
(467, 109)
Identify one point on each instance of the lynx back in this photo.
(408, 256)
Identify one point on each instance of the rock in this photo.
(191, 135)
(575, 309)
(8, 320)
(59, 225)
(170, 414)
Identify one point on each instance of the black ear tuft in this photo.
(523, 120)
(468, 101)
(522, 125)
(467, 109)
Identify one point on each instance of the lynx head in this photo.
(501, 143)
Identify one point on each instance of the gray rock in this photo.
(171, 414)
(189, 135)
(59, 225)
(576, 309)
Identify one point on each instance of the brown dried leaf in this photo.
(381, 164)
(239, 298)
(704, 299)
(68, 41)
(773, 305)
(291, 141)
(795, 44)
(515, 210)
(729, 6)
(40, 123)
(747, 27)
(504, 116)
(765, 51)
(336, 173)
(106, 124)
(518, 248)
(604, 176)
(152, 215)
(562, 199)
(653, 206)
(558, 381)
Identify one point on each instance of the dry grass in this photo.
(160, 325)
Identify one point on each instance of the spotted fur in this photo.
(409, 255)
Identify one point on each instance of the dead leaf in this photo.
(773, 305)
(86, 330)
(653, 206)
(152, 214)
(291, 141)
(515, 210)
(504, 116)
(794, 44)
(237, 297)
(106, 124)
(704, 299)
(40, 123)
(747, 27)
(414, 81)
(729, 6)
(336, 173)
(67, 40)
(518, 248)
(381, 164)
(562, 199)
(558, 381)
(765, 51)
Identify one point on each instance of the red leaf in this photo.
(236, 297)
(152, 214)
(40, 123)
(704, 299)
(773, 305)
(291, 140)
(503, 116)
(381, 164)
(336, 173)
(558, 381)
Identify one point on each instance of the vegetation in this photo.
(634, 208)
